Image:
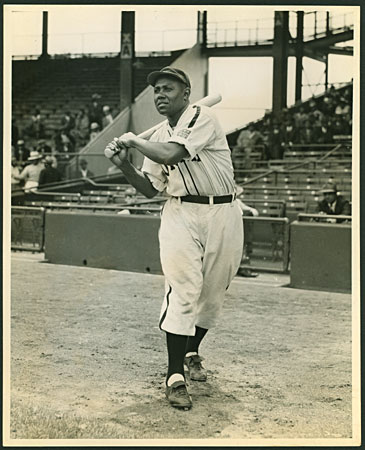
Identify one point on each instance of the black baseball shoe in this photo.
(196, 370)
(178, 395)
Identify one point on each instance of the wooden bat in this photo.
(209, 100)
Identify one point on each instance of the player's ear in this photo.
(186, 93)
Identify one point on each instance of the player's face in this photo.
(171, 97)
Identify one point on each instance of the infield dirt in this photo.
(88, 360)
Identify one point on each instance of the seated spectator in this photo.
(107, 116)
(15, 172)
(342, 108)
(332, 203)
(275, 143)
(290, 134)
(21, 152)
(43, 147)
(340, 127)
(49, 174)
(95, 130)
(96, 110)
(81, 130)
(83, 171)
(67, 122)
(30, 173)
(36, 128)
(65, 146)
(46, 150)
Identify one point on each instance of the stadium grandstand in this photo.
(68, 107)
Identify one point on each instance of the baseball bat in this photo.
(209, 100)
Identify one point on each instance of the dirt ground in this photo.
(88, 360)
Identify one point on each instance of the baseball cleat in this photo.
(178, 396)
(196, 370)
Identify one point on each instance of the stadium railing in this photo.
(27, 228)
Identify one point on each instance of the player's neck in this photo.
(173, 120)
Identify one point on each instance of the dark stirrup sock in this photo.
(176, 345)
(194, 341)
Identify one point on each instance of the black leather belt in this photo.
(208, 200)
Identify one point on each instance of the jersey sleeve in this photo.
(196, 132)
(155, 174)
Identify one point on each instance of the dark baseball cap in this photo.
(178, 74)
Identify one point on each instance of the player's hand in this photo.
(116, 152)
(126, 140)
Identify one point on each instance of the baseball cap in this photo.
(328, 188)
(178, 74)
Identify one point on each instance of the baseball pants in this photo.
(201, 249)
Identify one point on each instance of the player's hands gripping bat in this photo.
(112, 150)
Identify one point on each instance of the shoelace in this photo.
(181, 391)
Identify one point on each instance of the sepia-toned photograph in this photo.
(181, 238)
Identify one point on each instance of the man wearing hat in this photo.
(201, 233)
(49, 174)
(332, 203)
(31, 172)
(21, 152)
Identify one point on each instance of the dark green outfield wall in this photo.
(320, 256)
(320, 253)
(103, 240)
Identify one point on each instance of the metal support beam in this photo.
(45, 35)
(280, 53)
(202, 29)
(127, 53)
(299, 56)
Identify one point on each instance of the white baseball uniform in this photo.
(200, 244)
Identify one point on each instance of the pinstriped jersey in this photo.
(207, 170)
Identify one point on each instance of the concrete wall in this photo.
(144, 114)
(320, 256)
(107, 241)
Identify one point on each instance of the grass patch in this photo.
(29, 422)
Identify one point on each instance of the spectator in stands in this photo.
(107, 116)
(81, 130)
(339, 127)
(300, 117)
(15, 172)
(36, 128)
(342, 108)
(275, 143)
(322, 133)
(65, 145)
(21, 152)
(290, 134)
(30, 173)
(83, 171)
(43, 147)
(332, 203)
(96, 110)
(49, 174)
(95, 130)
(67, 123)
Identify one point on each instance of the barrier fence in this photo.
(27, 228)
(266, 238)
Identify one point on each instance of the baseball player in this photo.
(201, 233)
